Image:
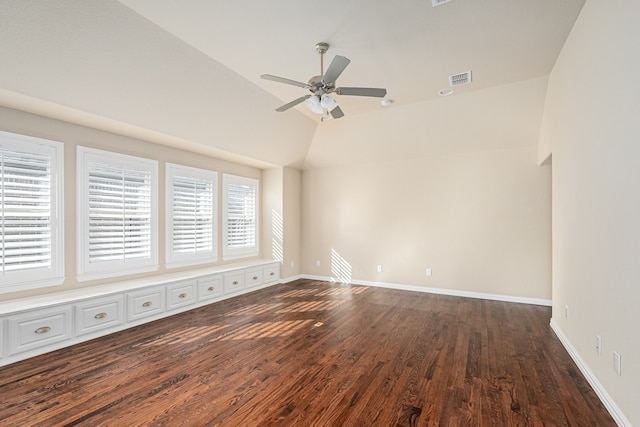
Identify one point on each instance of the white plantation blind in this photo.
(118, 212)
(30, 212)
(191, 211)
(26, 211)
(240, 210)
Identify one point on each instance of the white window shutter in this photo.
(191, 215)
(117, 214)
(31, 226)
(240, 216)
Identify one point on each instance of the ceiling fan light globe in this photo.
(313, 104)
(328, 102)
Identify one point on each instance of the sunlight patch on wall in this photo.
(340, 269)
(277, 233)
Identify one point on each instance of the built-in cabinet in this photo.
(34, 326)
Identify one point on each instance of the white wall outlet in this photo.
(566, 311)
(291, 264)
(317, 263)
(379, 268)
(598, 344)
(617, 363)
(428, 272)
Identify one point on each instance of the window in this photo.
(191, 215)
(240, 217)
(117, 214)
(31, 206)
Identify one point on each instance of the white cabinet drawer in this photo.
(253, 277)
(271, 273)
(98, 314)
(39, 328)
(145, 303)
(181, 294)
(233, 281)
(209, 287)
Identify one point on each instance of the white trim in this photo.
(440, 291)
(607, 400)
(291, 278)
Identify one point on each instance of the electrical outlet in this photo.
(598, 344)
(617, 362)
(317, 263)
(291, 264)
(566, 311)
(379, 268)
(428, 272)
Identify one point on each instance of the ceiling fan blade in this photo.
(336, 113)
(362, 91)
(336, 68)
(285, 81)
(293, 103)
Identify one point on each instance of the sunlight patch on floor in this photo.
(254, 309)
(184, 336)
(259, 330)
(311, 306)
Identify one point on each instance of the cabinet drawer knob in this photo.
(255, 277)
(147, 304)
(43, 330)
(183, 295)
(100, 315)
(272, 274)
(235, 282)
(211, 289)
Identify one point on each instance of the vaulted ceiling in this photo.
(188, 73)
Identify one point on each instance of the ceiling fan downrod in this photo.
(322, 48)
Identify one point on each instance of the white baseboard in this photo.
(291, 278)
(606, 399)
(452, 292)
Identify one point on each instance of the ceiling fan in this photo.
(321, 87)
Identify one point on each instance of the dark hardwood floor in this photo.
(313, 353)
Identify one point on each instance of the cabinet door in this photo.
(99, 313)
(39, 328)
(209, 287)
(145, 303)
(181, 294)
(233, 281)
(253, 277)
(271, 273)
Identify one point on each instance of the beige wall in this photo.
(281, 218)
(74, 135)
(292, 213)
(480, 221)
(592, 125)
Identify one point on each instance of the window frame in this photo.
(174, 259)
(236, 253)
(54, 274)
(105, 269)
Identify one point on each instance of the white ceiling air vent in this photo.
(439, 2)
(460, 78)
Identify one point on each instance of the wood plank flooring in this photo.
(313, 353)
